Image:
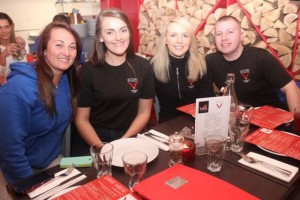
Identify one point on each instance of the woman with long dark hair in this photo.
(40, 97)
(12, 48)
(116, 93)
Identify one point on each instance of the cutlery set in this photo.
(157, 138)
(49, 188)
(274, 168)
(66, 173)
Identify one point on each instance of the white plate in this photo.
(272, 152)
(269, 151)
(125, 145)
(63, 192)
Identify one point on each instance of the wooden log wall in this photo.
(268, 24)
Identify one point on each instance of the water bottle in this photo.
(229, 91)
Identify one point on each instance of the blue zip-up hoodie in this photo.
(29, 137)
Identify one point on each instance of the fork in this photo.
(274, 168)
(66, 173)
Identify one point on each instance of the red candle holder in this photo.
(188, 151)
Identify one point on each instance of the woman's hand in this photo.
(10, 49)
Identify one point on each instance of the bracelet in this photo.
(3, 54)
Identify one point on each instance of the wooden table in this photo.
(259, 184)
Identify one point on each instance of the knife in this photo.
(162, 140)
(59, 187)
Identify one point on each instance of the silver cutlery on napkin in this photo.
(157, 138)
(61, 186)
(66, 173)
(43, 187)
(274, 168)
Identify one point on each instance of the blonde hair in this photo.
(161, 63)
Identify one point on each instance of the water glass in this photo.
(176, 147)
(135, 165)
(102, 154)
(239, 128)
(215, 147)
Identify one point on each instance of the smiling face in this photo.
(61, 50)
(177, 40)
(115, 34)
(5, 30)
(228, 38)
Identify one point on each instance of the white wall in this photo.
(34, 15)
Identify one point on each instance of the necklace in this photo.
(132, 82)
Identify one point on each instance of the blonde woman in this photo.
(180, 71)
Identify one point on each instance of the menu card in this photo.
(181, 182)
(270, 117)
(277, 141)
(212, 117)
(189, 109)
(105, 187)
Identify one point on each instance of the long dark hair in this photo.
(5, 16)
(98, 56)
(45, 73)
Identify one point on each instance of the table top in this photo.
(257, 183)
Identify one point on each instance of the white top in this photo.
(10, 59)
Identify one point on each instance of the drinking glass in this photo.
(176, 147)
(102, 154)
(4, 71)
(239, 128)
(135, 165)
(215, 147)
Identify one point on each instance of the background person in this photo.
(12, 48)
(181, 75)
(257, 73)
(39, 110)
(57, 18)
(117, 89)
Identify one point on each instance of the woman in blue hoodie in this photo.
(36, 104)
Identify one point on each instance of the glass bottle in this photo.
(229, 91)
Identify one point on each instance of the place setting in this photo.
(62, 180)
(238, 132)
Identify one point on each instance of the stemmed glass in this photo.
(135, 165)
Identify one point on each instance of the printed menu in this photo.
(277, 141)
(212, 116)
(105, 187)
(270, 117)
(182, 182)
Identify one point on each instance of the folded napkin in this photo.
(55, 184)
(264, 169)
(160, 145)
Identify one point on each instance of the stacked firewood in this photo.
(277, 21)
(269, 24)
